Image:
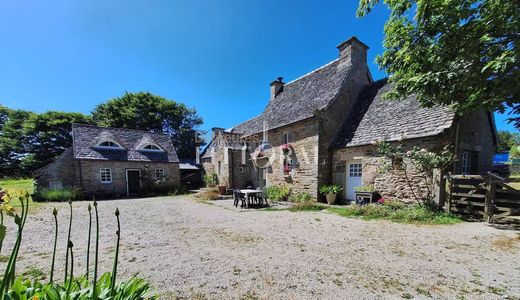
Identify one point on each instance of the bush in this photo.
(161, 188)
(300, 198)
(211, 179)
(208, 195)
(278, 192)
(394, 204)
(63, 194)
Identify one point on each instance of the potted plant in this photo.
(222, 188)
(365, 194)
(330, 192)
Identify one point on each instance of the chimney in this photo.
(216, 131)
(353, 52)
(276, 87)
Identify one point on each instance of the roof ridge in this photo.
(121, 128)
(313, 71)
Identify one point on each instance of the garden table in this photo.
(247, 194)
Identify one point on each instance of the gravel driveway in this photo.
(189, 249)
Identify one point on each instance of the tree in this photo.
(460, 53)
(12, 147)
(146, 111)
(507, 140)
(47, 135)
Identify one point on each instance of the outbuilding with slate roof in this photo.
(113, 162)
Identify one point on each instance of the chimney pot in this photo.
(277, 87)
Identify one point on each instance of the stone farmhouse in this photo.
(112, 161)
(322, 128)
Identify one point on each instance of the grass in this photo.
(63, 194)
(411, 214)
(515, 185)
(19, 184)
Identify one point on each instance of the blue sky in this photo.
(216, 56)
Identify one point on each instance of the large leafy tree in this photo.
(507, 140)
(12, 147)
(47, 135)
(146, 111)
(461, 53)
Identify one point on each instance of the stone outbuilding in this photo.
(322, 127)
(113, 162)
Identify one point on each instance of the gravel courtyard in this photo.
(189, 249)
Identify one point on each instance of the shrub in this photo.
(278, 192)
(211, 179)
(394, 204)
(300, 198)
(161, 188)
(208, 195)
(63, 194)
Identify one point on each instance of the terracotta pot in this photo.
(331, 198)
(222, 189)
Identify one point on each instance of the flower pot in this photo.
(331, 198)
(222, 189)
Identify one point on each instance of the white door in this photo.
(354, 178)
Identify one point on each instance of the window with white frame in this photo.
(151, 147)
(105, 175)
(466, 162)
(355, 170)
(159, 174)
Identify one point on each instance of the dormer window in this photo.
(152, 147)
(109, 145)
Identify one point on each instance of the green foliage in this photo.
(278, 192)
(394, 204)
(514, 153)
(80, 289)
(211, 179)
(63, 194)
(300, 198)
(365, 188)
(507, 140)
(463, 54)
(398, 213)
(149, 112)
(423, 161)
(330, 189)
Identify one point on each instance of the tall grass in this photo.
(63, 194)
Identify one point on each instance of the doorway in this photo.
(354, 179)
(133, 181)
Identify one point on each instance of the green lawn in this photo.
(516, 185)
(19, 184)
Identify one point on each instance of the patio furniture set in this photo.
(248, 197)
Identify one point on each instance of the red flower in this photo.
(381, 200)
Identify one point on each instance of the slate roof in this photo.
(189, 164)
(376, 119)
(299, 99)
(87, 137)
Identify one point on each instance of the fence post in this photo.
(489, 206)
(449, 181)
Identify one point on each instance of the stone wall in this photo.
(389, 180)
(59, 173)
(88, 177)
(304, 153)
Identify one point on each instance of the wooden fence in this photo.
(489, 197)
